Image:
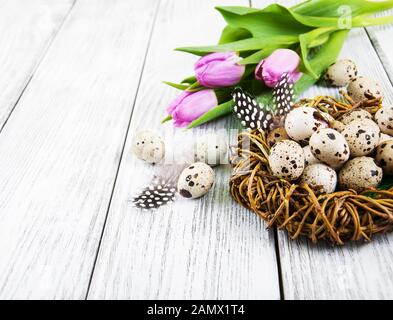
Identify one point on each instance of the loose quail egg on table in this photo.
(340, 73)
(384, 157)
(362, 136)
(148, 146)
(302, 122)
(286, 160)
(309, 158)
(195, 180)
(364, 88)
(320, 175)
(384, 119)
(211, 149)
(355, 114)
(329, 146)
(359, 174)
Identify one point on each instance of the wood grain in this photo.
(59, 152)
(26, 30)
(204, 249)
(356, 271)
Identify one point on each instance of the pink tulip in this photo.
(189, 106)
(219, 69)
(280, 61)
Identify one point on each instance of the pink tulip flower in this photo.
(189, 106)
(219, 69)
(280, 61)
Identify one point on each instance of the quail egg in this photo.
(277, 135)
(383, 138)
(384, 119)
(320, 176)
(302, 122)
(211, 149)
(286, 160)
(355, 114)
(384, 157)
(340, 73)
(309, 158)
(195, 180)
(362, 137)
(330, 147)
(364, 88)
(148, 146)
(359, 174)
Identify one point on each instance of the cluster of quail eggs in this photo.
(352, 152)
(198, 177)
(344, 73)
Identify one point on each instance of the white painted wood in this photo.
(60, 150)
(356, 271)
(381, 37)
(203, 249)
(26, 30)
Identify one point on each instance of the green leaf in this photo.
(217, 112)
(331, 8)
(256, 57)
(243, 45)
(273, 20)
(386, 183)
(232, 34)
(177, 85)
(168, 118)
(189, 80)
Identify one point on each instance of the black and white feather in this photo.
(159, 193)
(283, 94)
(254, 115)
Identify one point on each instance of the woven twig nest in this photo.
(337, 217)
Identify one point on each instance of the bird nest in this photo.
(337, 217)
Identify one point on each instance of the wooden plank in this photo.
(204, 249)
(59, 152)
(381, 39)
(26, 30)
(356, 271)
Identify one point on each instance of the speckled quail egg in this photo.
(195, 180)
(384, 157)
(359, 174)
(320, 176)
(329, 146)
(211, 149)
(384, 119)
(302, 122)
(309, 158)
(286, 160)
(364, 88)
(148, 146)
(362, 137)
(383, 138)
(355, 114)
(277, 135)
(340, 73)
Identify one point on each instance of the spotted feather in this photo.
(283, 94)
(159, 193)
(251, 114)
(254, 115)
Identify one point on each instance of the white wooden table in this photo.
(77, 79)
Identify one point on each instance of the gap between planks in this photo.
(123, 147)
(44, 52)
